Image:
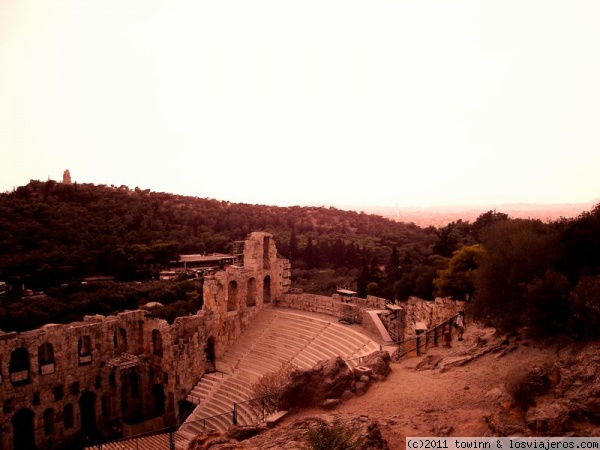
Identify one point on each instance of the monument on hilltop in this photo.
(66, 177)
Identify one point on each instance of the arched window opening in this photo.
(125, 392)
(267, 290)
(46, 358)
(157, 344)
(266, 247)
(84, 350)
(23, 434)
(232, 294)
(210, 350)
(251, 292)
(87, 408)
(135, 387)
(158, 394)
(120, 339)
(19, 365)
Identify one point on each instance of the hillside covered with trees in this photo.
(516, 272)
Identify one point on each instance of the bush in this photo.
(337, 436)
(271, 385)
(524, 388)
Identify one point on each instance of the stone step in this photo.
(236, 389)
(348, 333)
(265, 346)
(349, 346)
(307, 327)
(274, 355)
(152, 442)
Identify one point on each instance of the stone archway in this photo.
(251, 292)
(23, 434)
(267, 289)
(87, 408)
(157, 343)
(210, 350)
(232, 296)
(158, 395)
(18, 366)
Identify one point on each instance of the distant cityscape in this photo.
(439, 216)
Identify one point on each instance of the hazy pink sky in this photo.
(380, 103)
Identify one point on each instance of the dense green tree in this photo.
(585, 308)
(547, 309)
(452, 237)
(484, 221)
(580, 243)
(516, 252)
(457, 280)
(53, 234)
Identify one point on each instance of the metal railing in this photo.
(422, 341)
(256, 408)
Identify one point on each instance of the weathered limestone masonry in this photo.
(410, 315)
(431, 313)
(84, 378)
(127, 373)
(234, 296)
(422, 314)
(327, 305)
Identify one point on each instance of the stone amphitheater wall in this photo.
(431, 313)
(115, 375)
(330, 305)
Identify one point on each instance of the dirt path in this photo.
(446, 399)
(437, 402)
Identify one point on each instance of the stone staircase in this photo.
(153, 442)
(275, 338)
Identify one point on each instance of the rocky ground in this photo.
(459, 391)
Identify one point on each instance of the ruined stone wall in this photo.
(107, 375)
(326, 305)
(429, 313)
(67, 378)
(81, 380)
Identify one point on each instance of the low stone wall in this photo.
(326, 305)
(429, 313)
(311, 303)
(414, 311)
(146, 426)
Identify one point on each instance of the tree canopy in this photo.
(516, 272)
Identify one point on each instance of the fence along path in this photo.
(276, 335)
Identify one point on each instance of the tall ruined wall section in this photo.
(233, 297)
(108, 376)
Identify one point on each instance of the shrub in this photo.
(271, 385)
(337, 436)
(524, 388)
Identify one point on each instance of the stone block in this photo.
(360, 371)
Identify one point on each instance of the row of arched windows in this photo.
(232, 293)
(20, 364)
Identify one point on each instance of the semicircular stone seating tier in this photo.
(276, 338)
